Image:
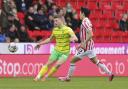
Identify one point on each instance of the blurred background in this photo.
(32, 20)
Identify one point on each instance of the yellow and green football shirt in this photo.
(62, 35)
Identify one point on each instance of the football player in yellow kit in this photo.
(63, 36)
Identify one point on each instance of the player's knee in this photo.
(95, 60)
(74, 60)
(57, 65)
(48, 64)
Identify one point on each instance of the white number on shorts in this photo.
(80, 51)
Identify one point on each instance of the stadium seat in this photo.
(107, 35)
(98, 36)
(80, 3)
(115, 25)
(74, 4)
(21, 17)
(37, 33)
(116, 36)
(118, 15)
(125, 3)
(31, 34)
(106, 7)
(92, 5)
(98, 25)
(107, 14)
(124, 37)
(104, 3)
(117, 6)
(61, 3)
(98, 13)
(92, 16)
(108, 25)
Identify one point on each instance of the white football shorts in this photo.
(80, 53)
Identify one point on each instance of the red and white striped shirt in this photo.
(85, 26)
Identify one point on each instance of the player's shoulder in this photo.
(55, 28)
(87, 21)
(67, 27)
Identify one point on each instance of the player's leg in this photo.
(78, 56)
(60, 61)
(72, 66)
(101, 65)
(44, 69)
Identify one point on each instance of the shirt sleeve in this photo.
(52, 34)
(87, 25)
(71, 32)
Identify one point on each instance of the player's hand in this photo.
(78, 46)
(37, 47)
(81, 45)
(72, 40)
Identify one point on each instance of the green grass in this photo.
(76, 83)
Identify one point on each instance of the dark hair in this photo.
(86, 11)
(58, 10)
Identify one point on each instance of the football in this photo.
(12, 47)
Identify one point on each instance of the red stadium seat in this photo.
(37, 33)
(118, 15)
(106, 7)
(124, 37)
(97, 13)
(117, 6)
(104, 3)
(105, 15)
(98, 37)
(115, 26)
(116, 36)
(108, 25)
(92, 5)
(80, 3)
(92, 16)
(21, 16)
(61, 3)
(108, 14)
(74, 4)
(125, 3)
(98, 25)
(31, 34)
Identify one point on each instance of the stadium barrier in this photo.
(18, 64)
(100, 48)
(29, 65)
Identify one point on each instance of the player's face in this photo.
(81, 15)
(57, 22)
(125, 16)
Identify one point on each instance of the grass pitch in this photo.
(76, 83)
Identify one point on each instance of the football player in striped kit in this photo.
(86, 47)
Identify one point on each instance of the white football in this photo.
(12, 47)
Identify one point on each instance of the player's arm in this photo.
(73, 37)
(46, 41)
(88, 37)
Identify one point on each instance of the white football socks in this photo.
(71, 70)
(104, 68)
